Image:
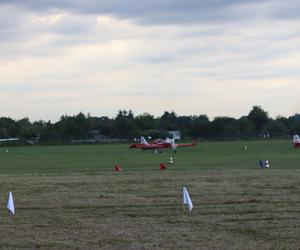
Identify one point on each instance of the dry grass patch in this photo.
(233, 209)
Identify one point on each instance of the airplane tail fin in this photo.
(296, 139)
(169, 140)
(143, 140)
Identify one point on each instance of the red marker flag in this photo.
(118, 168)
(162, 166)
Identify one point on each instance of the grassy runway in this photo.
(99, 158)
(69, 197)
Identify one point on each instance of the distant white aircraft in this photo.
(9, 139)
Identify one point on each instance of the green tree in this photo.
(200, 127)
(258, 117)
(276, 127)
(125, 126)
(8, 127)
(246, 127)
(145, 121)
(225, 127)
(104, 124)
(168, 120)
(25, 129)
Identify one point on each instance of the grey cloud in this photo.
(170, 11)
(285, 10)
(158, 59)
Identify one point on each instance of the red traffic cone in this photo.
(162, 166)
(118, 168)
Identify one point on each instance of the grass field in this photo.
(69, 197)
(99, 158)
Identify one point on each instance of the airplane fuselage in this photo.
(296, 145)
(160, 144)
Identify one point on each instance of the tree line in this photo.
(128, 126)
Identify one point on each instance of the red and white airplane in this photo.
(160, 144)
(296, 141)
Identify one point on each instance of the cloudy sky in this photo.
(214, 57)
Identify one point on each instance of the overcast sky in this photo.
(214, 57)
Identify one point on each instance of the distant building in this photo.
(175, 134)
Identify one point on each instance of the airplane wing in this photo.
(145, 146)
(193, 144)
(9, 139)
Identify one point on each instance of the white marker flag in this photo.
(187, 199)
(10, 203)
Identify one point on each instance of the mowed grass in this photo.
(233, 209)
(69, 197)
(99, 158)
